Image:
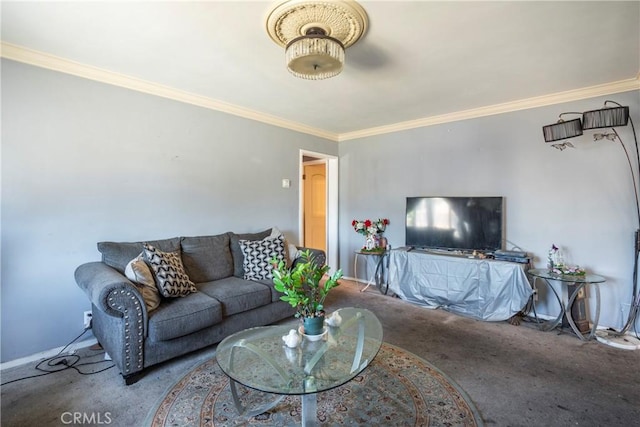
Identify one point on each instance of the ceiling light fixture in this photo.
(315, 34)
(315, 55)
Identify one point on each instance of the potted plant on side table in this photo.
(302, 289)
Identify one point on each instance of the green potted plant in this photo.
(302, 289)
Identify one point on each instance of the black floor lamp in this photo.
(608, 117)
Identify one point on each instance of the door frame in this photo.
(332, 204)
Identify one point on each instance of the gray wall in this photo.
(84, 162)
(580, 199)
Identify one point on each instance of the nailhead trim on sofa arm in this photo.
(116, 296)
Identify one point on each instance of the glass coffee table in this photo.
(259, 359)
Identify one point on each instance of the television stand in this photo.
(483, 289)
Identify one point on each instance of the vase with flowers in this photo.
(372, 230)
(556, 264)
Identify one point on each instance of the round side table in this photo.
(379, 275)
(580, 282)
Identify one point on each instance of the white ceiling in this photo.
(417, 60)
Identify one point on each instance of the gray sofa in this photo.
(136, 338)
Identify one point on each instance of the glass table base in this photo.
(309, 406)
(309, 410)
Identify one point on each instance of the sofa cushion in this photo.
(118, 254)
(236, 295)
(178, 317)
(171, 279)
(275, 295)
(139, 273)
(207, 258)
(258, 256)
(236, 252)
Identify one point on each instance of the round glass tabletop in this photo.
(258, 357)
(546, 274)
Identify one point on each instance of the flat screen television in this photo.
(455, 223)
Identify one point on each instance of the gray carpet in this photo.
(515, 375)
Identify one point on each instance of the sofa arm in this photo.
(317, 255)
(115, 297)
(112, 293)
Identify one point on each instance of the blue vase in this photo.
(313, 325)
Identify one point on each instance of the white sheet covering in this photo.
(482, 289)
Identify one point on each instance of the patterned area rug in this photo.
(398, 388)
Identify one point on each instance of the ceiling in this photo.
(418, 62)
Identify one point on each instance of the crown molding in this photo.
(51, 62)
(524, 104)
(55, 63)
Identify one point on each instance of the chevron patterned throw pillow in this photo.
(171, 278)
(258, 255)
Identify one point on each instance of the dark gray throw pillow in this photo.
(207, 258)
(118, 254)
(236, 252)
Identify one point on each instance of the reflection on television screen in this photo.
(457, 223)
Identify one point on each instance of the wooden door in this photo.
(315, 206)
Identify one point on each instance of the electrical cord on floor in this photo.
(62, 362)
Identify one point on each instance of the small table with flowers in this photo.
(375, 246)
(579, 284)
(379, 276)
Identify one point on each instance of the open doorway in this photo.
(318, 226)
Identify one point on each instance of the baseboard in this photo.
(544, 317)
(47, 354)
